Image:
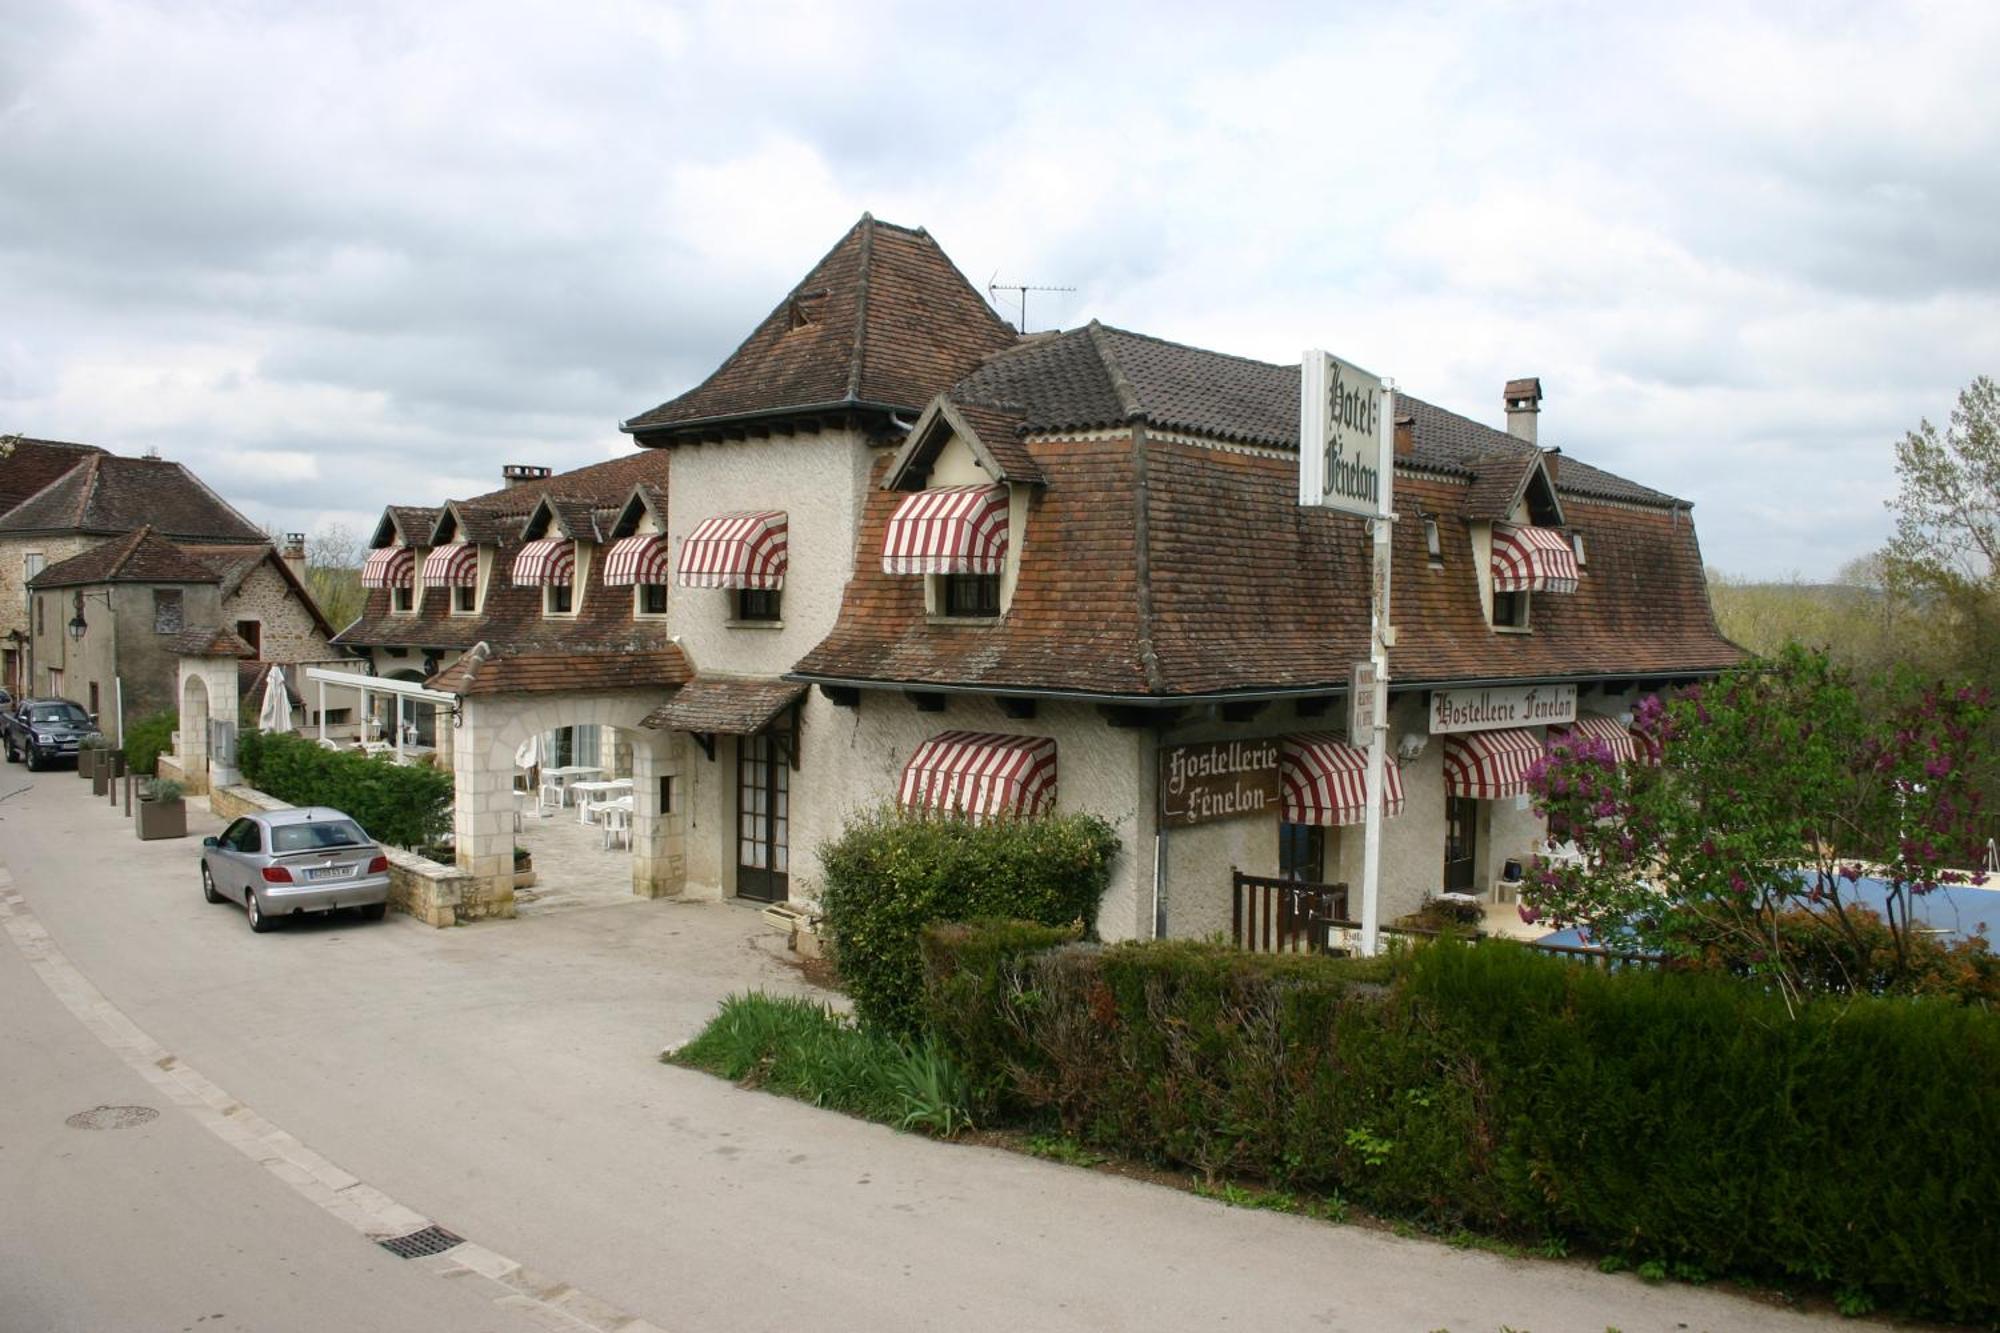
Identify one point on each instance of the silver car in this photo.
(281, 862)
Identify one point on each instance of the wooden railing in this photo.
(1283, 915)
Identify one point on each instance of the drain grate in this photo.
(431, 1240)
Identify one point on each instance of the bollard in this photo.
(128, 796)
(117, 771)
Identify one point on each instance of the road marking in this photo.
(548, 1301)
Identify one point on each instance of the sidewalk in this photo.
(501, 1078)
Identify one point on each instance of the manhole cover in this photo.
(112, 1117)
(416, 1245)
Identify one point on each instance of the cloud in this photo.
(1744, 250)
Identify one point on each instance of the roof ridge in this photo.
(1121, 384)
(857, 356)
(1190, 347)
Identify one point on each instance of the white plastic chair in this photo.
(616, 818)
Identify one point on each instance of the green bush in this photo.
(1686, 1120)
(889, 875)
(147, 739)
(403, 804)
(804, 1050)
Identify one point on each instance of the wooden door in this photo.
(763, 820)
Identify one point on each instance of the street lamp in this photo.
(78, 624)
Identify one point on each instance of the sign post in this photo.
(1347, 462)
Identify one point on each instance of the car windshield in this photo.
(69, 713)
(312, 837)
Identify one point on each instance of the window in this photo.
(243, 836)
(167, 611)
(757, 603)
(652, 599)
(402, 599)
(93, 698)
(1433, 547)
(41, 614)
(32, 563)
(1510, 610)
(252, 633)
(316, 835)
(1576, 545)
(464, 599)
(666, 794)
(557, 599)
(971, 594)
(1302, 853)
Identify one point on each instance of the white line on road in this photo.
(550, 1302)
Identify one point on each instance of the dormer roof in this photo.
(991, 432)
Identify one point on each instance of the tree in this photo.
(333, 573)
(1743, 846)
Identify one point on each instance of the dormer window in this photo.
(970, 595)
(640, 563)
(403, 599)
(757, 603)
(464, 600)
(957, 537)
(1576, 548)
(394, 568)
(746, 553)
(1433, 546)
(549, 564)
(806, 308)
(453, 569)
(652, 599)
(1510, 610)
(557, 600)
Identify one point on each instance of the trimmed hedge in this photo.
(147, 739)
(404, 804)
(890, 874)
(1683, 1119)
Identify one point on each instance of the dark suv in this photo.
(42, 730)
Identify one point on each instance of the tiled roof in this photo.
(885, 319)
(732, 707)
(405, 525)
(1246, 590)
(236, 563)
(28, 465)
(474, 523)
(209, 641)
(1497, 483)
(608, 482)
(108, 494)
(563, 671)
(140, 556)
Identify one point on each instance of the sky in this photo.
(337, 256)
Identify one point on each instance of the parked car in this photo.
(279, 863)
(41, 730)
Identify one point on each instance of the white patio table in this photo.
(564, 779)
(587, 794)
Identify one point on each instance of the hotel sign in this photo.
(1222, 780)
(1345, 438)
(1509, 706)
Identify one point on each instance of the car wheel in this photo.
(374, 911)
(258, 921)
(12, 758)
(34, 758)
(208, 892)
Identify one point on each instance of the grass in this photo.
(804, 1050)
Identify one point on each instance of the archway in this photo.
(194, 727)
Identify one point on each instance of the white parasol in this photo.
(530, 753)
(276, 714)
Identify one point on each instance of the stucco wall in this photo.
(289, 632)
(118, 643)
(819, 481)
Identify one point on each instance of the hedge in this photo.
(147, 738)
(1680, 1119)
(890, 874)
(403, 804)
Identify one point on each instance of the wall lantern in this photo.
(78, 624)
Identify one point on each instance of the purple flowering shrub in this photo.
(1770, 791)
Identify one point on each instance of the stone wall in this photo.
(289, 632)
(434, 894)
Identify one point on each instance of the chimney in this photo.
(1524, 404)
(1406, 436)
(294, 553)
(519, 474)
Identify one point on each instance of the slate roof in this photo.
(209, 641)
(30, 465)
(140, 556)
(729, 705)
(108, 494)
(884, 320)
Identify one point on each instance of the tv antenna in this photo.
(1020, 290)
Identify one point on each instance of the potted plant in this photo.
(524, 869)
(161, 812)
(87, 751)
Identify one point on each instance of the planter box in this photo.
(161, 819)
(524, 879)
(86, 764)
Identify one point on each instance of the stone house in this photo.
(905, 555)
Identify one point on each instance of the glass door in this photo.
(763, 820)
(1461, 842)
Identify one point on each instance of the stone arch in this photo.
(490, 729)
(194, 708)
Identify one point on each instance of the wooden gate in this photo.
(1284, 915)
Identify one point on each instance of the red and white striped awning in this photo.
(1608, 731)
(981, 775)
(746, 550)
(951, 530)
(1325, 781)
(390, 567)
(1532, 560)
(1490, 765)
(453, 566)
(550, 562)
(637, 560)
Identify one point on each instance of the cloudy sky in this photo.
(333, 256)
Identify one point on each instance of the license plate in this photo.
(329, 872)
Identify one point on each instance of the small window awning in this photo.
(951, 530)
(452, 566)
(1324, 780)
(390, 567)
(981, 775)
(1532, 560)
(1606, 731)
(1490, 765)
(550, 562)
(746, 550)
(637, 560)
(711, 705)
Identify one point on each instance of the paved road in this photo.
(333, 1081)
